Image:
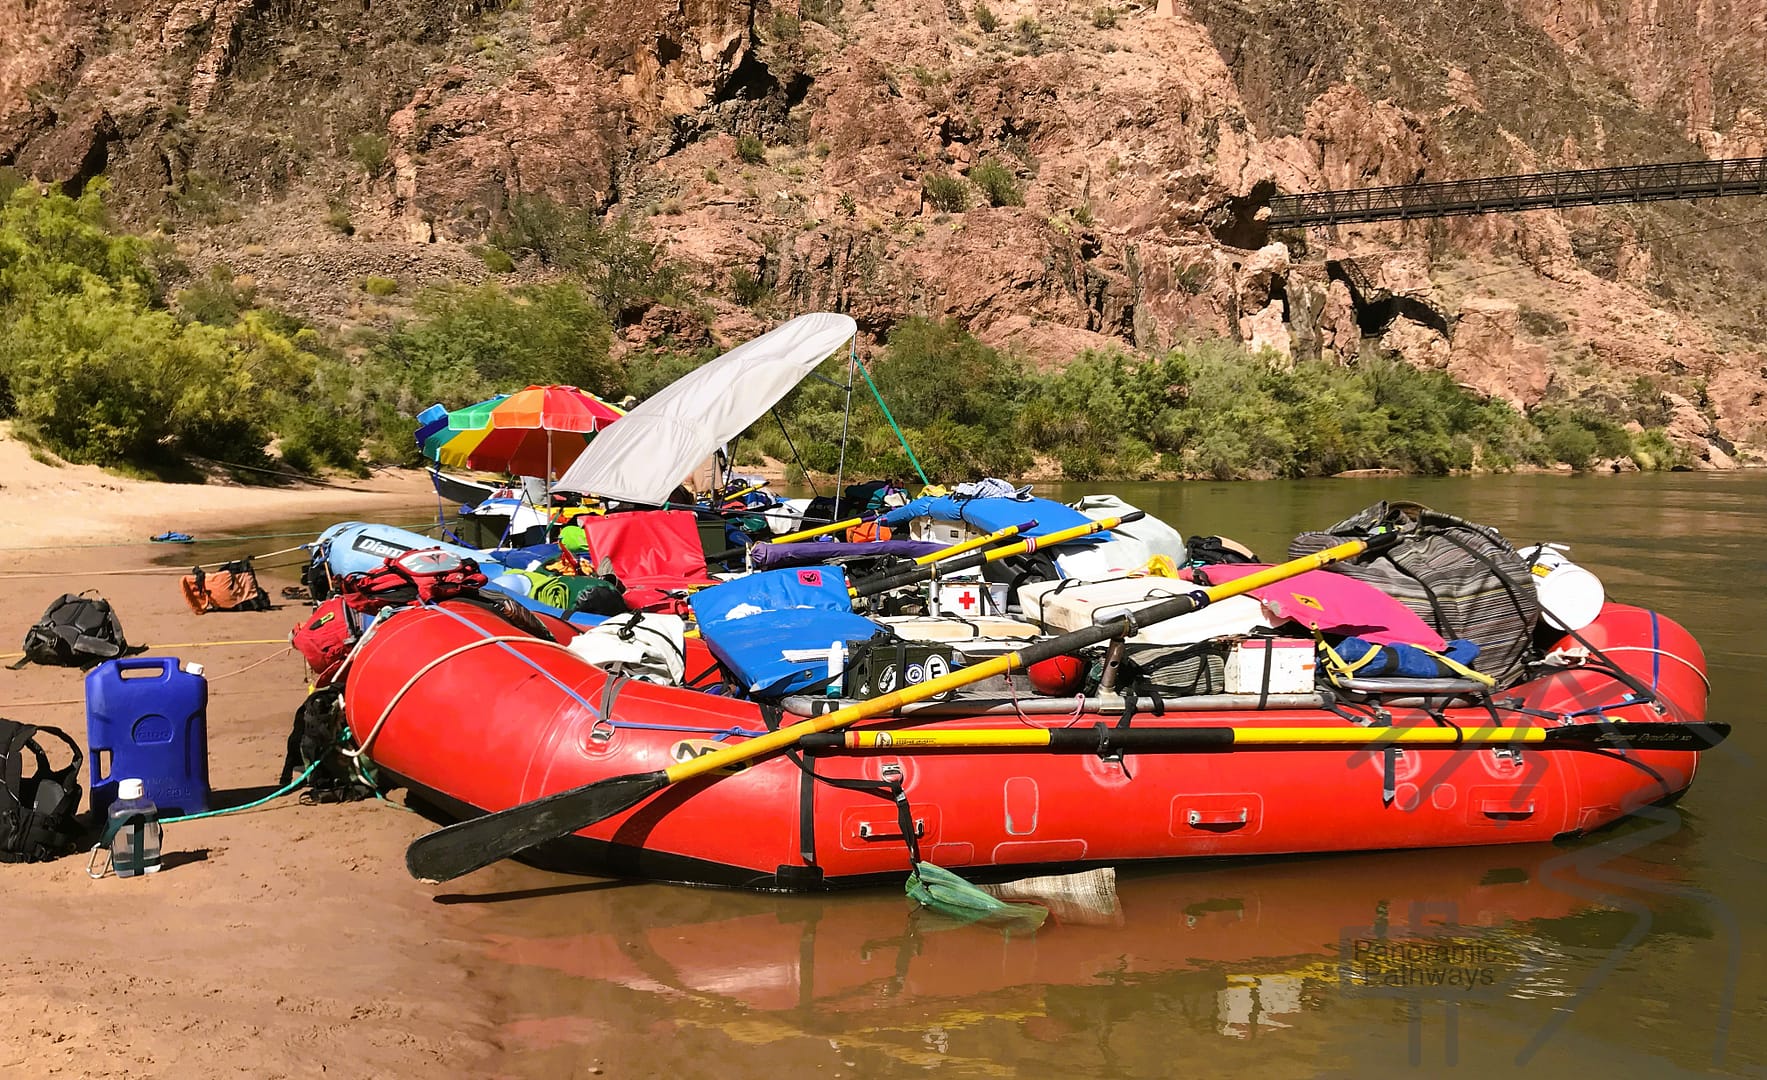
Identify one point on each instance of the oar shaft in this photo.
(1649, 735)
(974, 542)
(873, 586)
(1079, 740)
(821, 530)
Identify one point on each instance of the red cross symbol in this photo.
(966, 601)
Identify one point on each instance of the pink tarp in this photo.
(1334, 604)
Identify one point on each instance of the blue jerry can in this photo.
(147, 719)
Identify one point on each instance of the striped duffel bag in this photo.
(1464, 579)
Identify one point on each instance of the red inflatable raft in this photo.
(476, 717)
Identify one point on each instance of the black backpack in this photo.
(315, 738)
(37, 812)
(76, 631)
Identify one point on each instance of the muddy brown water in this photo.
(1634, 952)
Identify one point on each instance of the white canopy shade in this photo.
(654, 446)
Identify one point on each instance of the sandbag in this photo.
(1462, 578)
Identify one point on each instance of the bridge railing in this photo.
(1530, 191)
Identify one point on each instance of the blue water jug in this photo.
(147, 717)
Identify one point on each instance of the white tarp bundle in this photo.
(643, 457)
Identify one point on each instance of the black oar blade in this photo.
(1651, 735)
(470, 845)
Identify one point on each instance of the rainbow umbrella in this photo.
(538, 431)
(438, 425)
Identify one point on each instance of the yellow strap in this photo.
(1461, 669)
(1158, 566)
(1339, 664)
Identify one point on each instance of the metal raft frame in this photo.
(1531, 191)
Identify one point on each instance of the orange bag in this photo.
(867, 531)
(233, 587)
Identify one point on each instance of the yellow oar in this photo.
(975, 542)
(1649, 735)
(915, 575)
(466, 846)
(740, 492)
(823, 530)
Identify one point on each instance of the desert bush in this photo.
(466, 344)
(617, 265)
(997, 183)
(945, 192)
(747, 287)
(496, 260)
(986, 19)
(217, 298)
(375, 285)
(750, 150)
(1652, 450)
(369, 150)
(337, 217)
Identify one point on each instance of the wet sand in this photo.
(282, 941)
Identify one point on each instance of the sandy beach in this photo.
(285, 941)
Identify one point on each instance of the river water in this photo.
(1635, 952)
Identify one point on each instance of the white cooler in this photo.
(1073, 608)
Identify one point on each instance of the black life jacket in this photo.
(37, 811)
(76, 631)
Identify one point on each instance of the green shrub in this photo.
(217, 298)
(945, 192)
(747, 287)
(786, 27)
(996, 182)
(466, 344)
(337, 216)
(374, 285)
(620, 268)
(1577, 436)
(1652, 450)
(1104, 18)
(496, 260)
(318, 433)
(986, 19)
(369, 150)
(750, 150)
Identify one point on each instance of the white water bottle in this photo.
(837, 664)
(134, 844)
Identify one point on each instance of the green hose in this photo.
(295, 783)
(903, 439)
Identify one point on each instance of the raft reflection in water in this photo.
(1238, 950)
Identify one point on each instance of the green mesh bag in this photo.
(940, 890)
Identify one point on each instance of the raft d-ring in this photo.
(602, 730)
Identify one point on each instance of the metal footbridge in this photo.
(1530, 191)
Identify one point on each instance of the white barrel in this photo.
(1570, 596)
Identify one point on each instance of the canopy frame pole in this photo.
(840, 468)
(795, 456)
